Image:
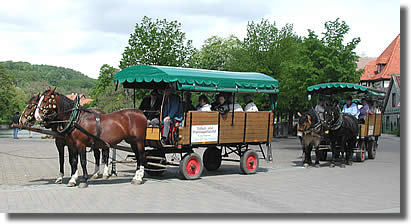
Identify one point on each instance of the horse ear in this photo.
(309, 117)
(299, 114)
(52, 91)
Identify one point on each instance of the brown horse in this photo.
(27, 118)
(80, 130)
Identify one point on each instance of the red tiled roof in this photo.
(391, 57)
(362, 62)
(83, 99)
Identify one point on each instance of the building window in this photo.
(393, 100)
(380, 68)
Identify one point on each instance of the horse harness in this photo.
(337, 124)
(314, 131)
(73, 121)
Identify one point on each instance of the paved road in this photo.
(28, 168)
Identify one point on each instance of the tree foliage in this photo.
(157, 42)
(296, 62)
(33, 78)
(11, 98)
(215, 53)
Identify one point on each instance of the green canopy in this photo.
(196, 79)
(334, 87)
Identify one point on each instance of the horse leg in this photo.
(317, 152)
(343, 150)
(333, 150)
(97, 164)
(139, 151)
(74, 170)
(60, 147)
(307, 150)
(350, 151)
(83, 162)
(105, 152)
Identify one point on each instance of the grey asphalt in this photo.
(28, 168)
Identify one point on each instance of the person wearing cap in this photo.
(364, 110)
(249, 104)
(172, 111)
(150, 104)
(350, 107)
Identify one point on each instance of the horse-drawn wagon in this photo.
(369, 130)
(221, 134)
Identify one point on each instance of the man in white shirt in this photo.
(250, 105)
(237, 107)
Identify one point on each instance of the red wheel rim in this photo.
(193, 167)
(251, 162)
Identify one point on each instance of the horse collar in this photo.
(338, 124)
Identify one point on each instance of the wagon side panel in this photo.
(232, 127)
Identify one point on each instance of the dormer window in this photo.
(380, 68)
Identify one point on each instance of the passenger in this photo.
(320, 109)
(216, 102)
(150, 104)
(350, 107)
(250, 105)
(222, 106)
(364, 110)
(172, 112)
(237, 107)
(203, 104)
(187, 103)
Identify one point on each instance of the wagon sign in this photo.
(204, 133)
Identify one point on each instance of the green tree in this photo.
(157, 42)
(11, 98)
(215, 53)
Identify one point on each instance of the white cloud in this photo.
(84, 35)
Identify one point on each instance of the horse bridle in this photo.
(51, 104)
(31, 114)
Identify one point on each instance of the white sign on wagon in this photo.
(371, 130)
(204, 133)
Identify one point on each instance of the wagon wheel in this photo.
(372, 150)
(154, 157)
(212, 158)
(322, 155)
(249, 162)
(191, 166)
(360, 156)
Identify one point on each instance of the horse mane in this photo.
(31, 99)
(314, 117)
(66, 104)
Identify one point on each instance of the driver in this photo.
(172, 112)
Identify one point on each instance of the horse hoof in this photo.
(342, 165)
(59, 181)
(135, 181)
(83, 185)
(95, 176)
(306, 165)
(71, 184)
(317, 165)
(332, 165)
(349, 163)
(105, 177)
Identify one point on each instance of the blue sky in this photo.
(84, 35)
